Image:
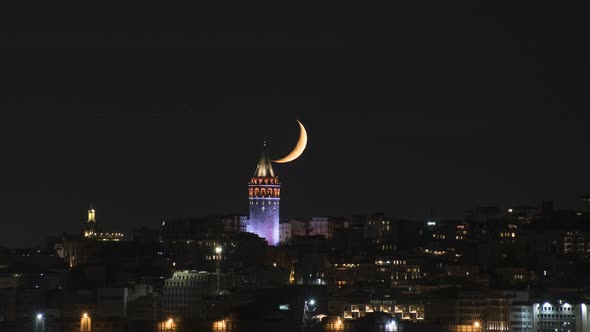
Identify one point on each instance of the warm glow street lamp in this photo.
(220, 326)
(85, 323)
(168, 325)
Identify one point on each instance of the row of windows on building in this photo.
(383, 222)
(507, 234)
(264, 192)
(556, 316)
(406, 312)
(568, 308)
(393, 262)
(190, 277)
(182, 284)
(265, 180)
(408, 270)
(346, 265)
(263, 203)
(560, 323)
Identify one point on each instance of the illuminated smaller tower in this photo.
(90, 229)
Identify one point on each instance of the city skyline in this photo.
(127, 213)
(414, 114)
(69, 217)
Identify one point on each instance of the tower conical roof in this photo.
(264, 167)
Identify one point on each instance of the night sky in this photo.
(159, 109)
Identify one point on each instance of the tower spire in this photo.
(91, 213)
(90, 229)
(264, 167)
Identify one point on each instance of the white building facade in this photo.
(560, 316)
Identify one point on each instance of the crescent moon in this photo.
(299, 147)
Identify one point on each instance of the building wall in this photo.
(8, 285)
(378, 228)
(298, 228)
(381, 232)
(183, 293)
(497, 316)
(521, 318)
(401, 311)
(235, 223)
(264, 219)
(560, 316)
(112, 302)
(319, 226)
(284, 232)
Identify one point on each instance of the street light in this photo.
(391, 326)
(218, 251)
(220, 326)
(85, 323)
(308, 309)
(169, 326)
(40, 323)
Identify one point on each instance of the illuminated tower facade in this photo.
(90, 229)
(264, 192)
